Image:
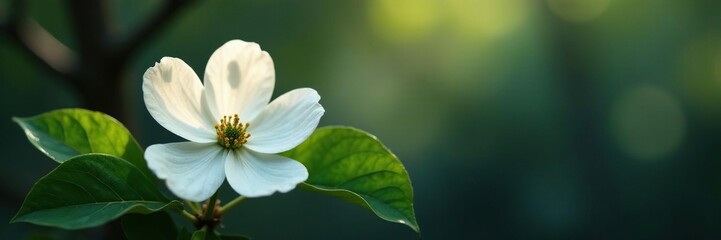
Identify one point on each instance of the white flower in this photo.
(238, 84)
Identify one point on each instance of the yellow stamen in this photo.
(231, 132)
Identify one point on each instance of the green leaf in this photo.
(90, 190)
(204, 234)
(157, 225)
(198, 235)
(353, 165)
(66, 133)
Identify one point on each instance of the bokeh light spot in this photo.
(578, 10)
(402, 21)
(718, 67)
(700, 69)
(487, 19)
(647, 122)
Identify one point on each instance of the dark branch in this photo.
(126, 49)
(88, 18)
(46, 46)
(40, 45)
(95, 69)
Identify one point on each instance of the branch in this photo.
(170, 8)
(89, 21)
(41, 45)
(46, 46)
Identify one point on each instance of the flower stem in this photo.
(210, 210)
(193, 206)
(230, 205)
(189, 216)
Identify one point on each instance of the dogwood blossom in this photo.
(233, 129)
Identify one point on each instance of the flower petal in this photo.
(239, 79)
(193, 171)
(173, 95)
(285, 122)
(253, 174)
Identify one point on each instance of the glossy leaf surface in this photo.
(66, 133)
(90, 190)
(353, 165)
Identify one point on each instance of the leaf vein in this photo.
(364, 176)
(338, 160)
(87, 136)
(100, 181)
(79, 186)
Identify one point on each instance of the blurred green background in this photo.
(516, 119)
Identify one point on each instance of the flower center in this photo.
(231, 132)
